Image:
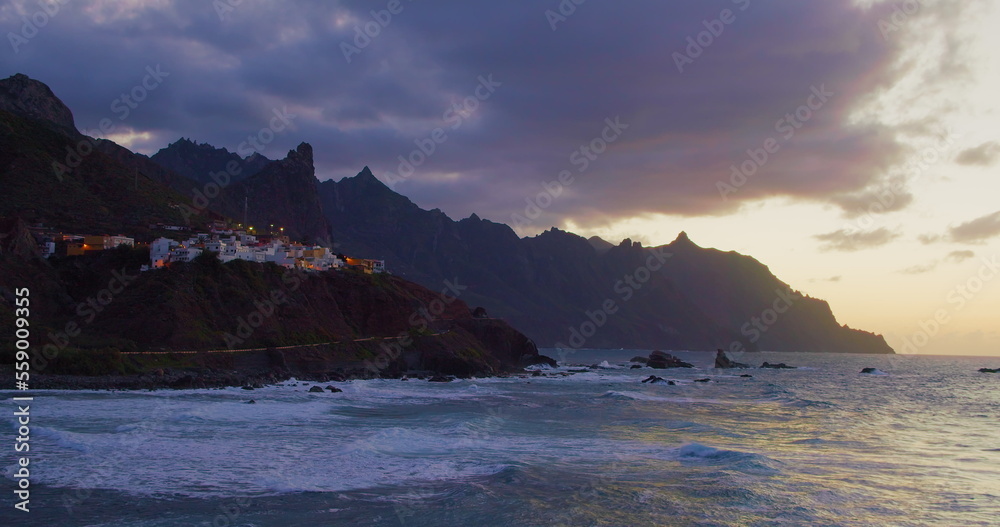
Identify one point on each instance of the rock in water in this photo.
(723, 362)
(334, 389)
(778, 366)
(642, 360)
(703, 380)
(989, 370)
(635, 367)
(316, 389)
(661, 361)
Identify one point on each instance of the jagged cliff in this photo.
(557, 287)
(553, 286)
(88, 310)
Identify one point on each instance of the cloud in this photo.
(830, 279)
(928, 239)
(920, 269)
(960, 256)
(884, 197)
(685, 130)
(977, 230)
(984, 154)
(842, 240)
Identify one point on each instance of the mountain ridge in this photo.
(553, 286)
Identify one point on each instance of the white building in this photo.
(159, 251)
(184, 254)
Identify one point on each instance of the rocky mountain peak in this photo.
(303, 152)
(24, 96)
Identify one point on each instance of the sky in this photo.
(850, 145)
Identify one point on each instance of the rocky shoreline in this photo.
(194, 379)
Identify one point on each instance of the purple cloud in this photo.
(752, 90)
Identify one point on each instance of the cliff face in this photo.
(285, 193)
(379, 324)
(553, 286)
(197, 161)
(24, 96)
(52, 174)
(557, 287)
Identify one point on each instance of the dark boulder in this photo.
(334, 389)
(635, 367)
(661, 361)
(480, 312)
(747, 375)
(316, 389)
(642, 360)
(723, 362)
(533, 360)
(870, 370)
(652, 379)
(703, 380)
(441, 378)
(251, 401)
(989, 370)
(778, 366)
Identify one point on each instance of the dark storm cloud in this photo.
(556, 90)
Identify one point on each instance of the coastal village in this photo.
(228, 243)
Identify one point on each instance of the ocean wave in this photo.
(742, 461)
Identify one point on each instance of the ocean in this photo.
(916, 443)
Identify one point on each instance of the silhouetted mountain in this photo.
(599, 244)
(198, 161)
(147, 167)
(558, 287)
(26, 97)
(284, 194)
(50, 173)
